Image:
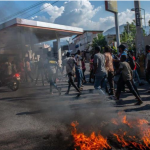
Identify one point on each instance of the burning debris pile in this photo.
(126, 134)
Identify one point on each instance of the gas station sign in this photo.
(111, 6)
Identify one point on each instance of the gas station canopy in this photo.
(22, 32)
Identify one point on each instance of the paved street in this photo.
(30, 115)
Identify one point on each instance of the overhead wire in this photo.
(41, 9)
(23, 11)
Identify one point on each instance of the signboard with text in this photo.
(111, 6)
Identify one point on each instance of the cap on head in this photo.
(122, 47)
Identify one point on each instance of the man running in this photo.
(78, 68)
(51, 68)
(70, 65)
(126, 73)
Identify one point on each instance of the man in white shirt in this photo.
(78, 66)
(70, 65)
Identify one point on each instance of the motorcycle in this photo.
(11, 81)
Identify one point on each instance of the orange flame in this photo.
(140, 141)
(92, 142)
(124, 120)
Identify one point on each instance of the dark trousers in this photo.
(83, 72)
(91, 75)
(110, 79)
(28, 74)
(40, 72)
(148, 76)
(52, 82)
(130, 84)
(71, 82)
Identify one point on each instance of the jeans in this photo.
(83, 73)
(135, 74)
(79, 76)
(148, 77)
(100, 81)
(52, 82)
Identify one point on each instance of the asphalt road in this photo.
(32, 119)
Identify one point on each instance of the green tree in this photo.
(129, 33)
(99, 41)
(128, 36)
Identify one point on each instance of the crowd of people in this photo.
(104, 68)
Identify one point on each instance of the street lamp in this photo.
(133, 9)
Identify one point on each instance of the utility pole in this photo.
(112, 7)
(139, 39)
(139, 30)
(117, 29)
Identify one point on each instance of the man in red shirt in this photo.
(135, 73)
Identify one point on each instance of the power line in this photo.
(41, 9)
(23, 11)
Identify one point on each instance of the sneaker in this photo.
(80, 88)
(78, 95)
(66, 93)
(139, 103)
(140, 84)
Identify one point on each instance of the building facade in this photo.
(82, 42)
